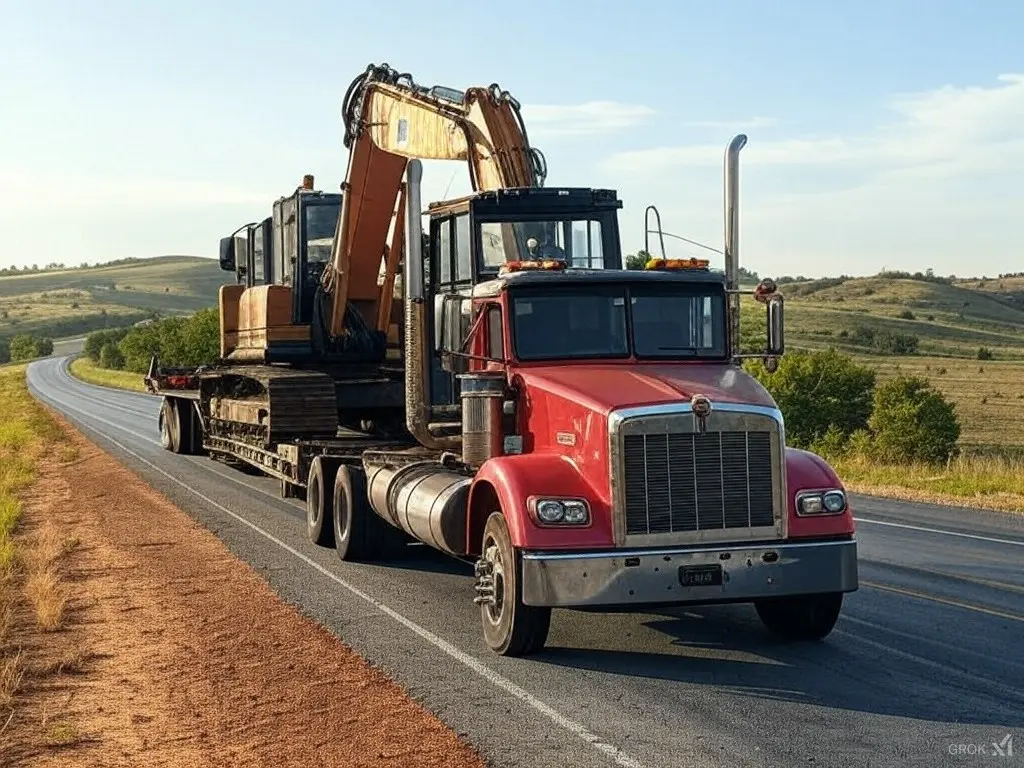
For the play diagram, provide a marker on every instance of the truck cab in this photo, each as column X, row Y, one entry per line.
column 624, row 458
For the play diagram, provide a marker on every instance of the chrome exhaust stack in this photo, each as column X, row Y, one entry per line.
column 418, row 344
column 732, row 236
column 766, row 291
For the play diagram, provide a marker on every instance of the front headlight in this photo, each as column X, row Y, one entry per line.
column 831, row 502
column 562, row 511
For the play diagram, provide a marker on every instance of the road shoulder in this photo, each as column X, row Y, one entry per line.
column 183, row 655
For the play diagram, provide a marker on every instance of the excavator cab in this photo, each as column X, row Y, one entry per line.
column 278, row 264
column 303, row 229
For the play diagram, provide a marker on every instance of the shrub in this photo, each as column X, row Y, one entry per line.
column 96, row 340
column 906, row 314
column 984, row 353
column 27, row 347
column 817, row 391
column 111, row 357
column 912, row 421
column 177, row 341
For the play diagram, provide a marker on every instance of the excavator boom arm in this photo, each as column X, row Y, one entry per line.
column 389, row 119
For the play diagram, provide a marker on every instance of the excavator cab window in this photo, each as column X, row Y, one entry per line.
column 303, row 235
column 577, row 226
column 258, row 254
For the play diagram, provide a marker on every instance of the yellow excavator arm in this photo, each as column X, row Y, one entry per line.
column 389, row 119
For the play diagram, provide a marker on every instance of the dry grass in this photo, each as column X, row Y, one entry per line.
column 29, row 575
column 11, row 673
column 85, row 369
column 46, row 596
column 988, row 482
column 63, row 734
column 988, row 395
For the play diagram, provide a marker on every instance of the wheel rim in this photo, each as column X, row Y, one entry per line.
column 492, row 554
column 165, row 427
column 341, row 516
column 314, row 501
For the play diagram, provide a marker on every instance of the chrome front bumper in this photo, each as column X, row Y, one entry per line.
column 714, row 574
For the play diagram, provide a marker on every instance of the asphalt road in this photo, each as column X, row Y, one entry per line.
column 926, row 665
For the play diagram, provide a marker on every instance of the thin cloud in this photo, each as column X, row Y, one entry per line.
column 734, row 125
column 589, row 118
column 945, row 131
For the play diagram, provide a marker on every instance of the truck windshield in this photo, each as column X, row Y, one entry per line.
column 678, row 322
column 578, row 241
column 321, row 223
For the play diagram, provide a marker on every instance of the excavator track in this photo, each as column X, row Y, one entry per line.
column 265, row 405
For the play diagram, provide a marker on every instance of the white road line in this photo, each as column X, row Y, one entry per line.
column 1014, row 542
column 577, row 729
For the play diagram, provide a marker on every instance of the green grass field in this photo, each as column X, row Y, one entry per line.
column 86, row 370
column 69, row 302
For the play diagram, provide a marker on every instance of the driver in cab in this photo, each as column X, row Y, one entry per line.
column 545, row 250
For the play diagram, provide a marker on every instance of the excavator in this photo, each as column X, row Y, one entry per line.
column 311, row 334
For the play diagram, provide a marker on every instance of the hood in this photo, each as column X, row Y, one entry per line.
column 602, row 388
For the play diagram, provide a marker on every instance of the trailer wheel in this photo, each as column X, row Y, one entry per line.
column 186, row 428
column 320, row 502
column 360, row 535
column 511, row 628
column 168, row 422
column 805, row 617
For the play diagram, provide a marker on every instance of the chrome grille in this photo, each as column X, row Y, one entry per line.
column 678, row 482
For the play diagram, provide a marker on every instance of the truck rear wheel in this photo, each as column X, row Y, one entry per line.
column 360, row 535
column 511, row 628
column 320, row 502
column 804, row 617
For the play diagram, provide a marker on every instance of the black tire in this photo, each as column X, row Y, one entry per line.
column 168, row 425
column 801, row 618
column 360, row 535
column 510, row 627
column 195, row 428
column 320, row 502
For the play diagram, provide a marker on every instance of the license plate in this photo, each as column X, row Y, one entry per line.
column 700, row 575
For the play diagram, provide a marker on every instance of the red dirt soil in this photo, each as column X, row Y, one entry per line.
column 186, row 657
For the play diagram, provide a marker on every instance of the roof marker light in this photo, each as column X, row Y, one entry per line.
column 552, row 265
column 673, row 264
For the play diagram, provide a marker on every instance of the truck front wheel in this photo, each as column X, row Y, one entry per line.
column 511, row 628
column 804, row 617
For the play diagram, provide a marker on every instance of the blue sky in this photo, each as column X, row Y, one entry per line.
column 881, row 134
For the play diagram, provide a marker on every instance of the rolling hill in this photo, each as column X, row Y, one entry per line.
column 66, row 302
column 873, row 315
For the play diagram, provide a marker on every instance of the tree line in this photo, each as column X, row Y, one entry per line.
column 177, row 341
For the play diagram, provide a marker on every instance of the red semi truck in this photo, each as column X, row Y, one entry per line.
column 583, row 434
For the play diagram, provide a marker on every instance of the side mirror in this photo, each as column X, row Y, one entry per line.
column 453, row 326
column 776, row 327
column 227, row 254
column 776, row 334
